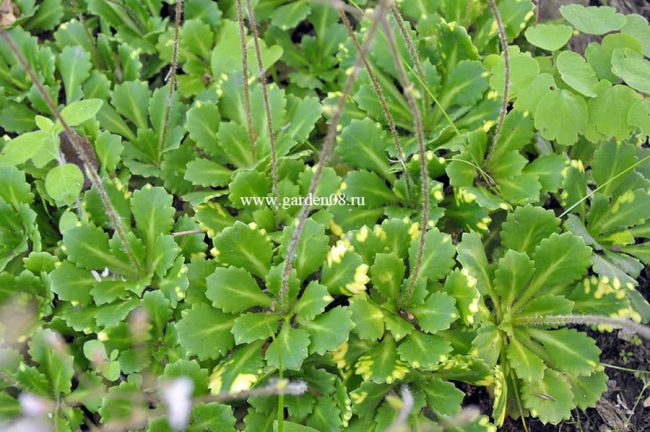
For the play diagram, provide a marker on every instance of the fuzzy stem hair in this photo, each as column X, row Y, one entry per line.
column 328, row 147
column 419, row 132
column 267, row 105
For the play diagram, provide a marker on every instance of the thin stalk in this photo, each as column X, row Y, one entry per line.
column 244, row 67
column 96, row 57
column 328, row 147
column 79, row 148
column 172, row 75
column 419, row 132
column 631, row 167
column 188, row 232
column 267, row 104
column 506, row 82
column 404, row 412
column 410, row 45
column 587, row 319
column 282, row 387
column 382, row 99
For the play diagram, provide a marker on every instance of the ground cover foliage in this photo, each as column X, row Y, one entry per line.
column 505, row 193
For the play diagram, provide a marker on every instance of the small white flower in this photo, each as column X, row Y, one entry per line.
column 96, row 275
column 177, row 397
column 34, row 406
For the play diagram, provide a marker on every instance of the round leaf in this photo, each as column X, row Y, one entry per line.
column 593, row 20
column 550, row 37
column 64, row 183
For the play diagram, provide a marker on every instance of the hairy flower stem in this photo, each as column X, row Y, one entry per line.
column 419, row 132
column 402, row 417
column 281, row 387
column 79, row 148
column 172, row 76
column 267, row 104
column 382, row 99
column 506, row 82
column 587, row 319
column 244, row 67
column 410, row 45
column 328, row 147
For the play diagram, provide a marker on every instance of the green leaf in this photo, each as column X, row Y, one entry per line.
column 313, row 301
column 47, row 349
column 205, row 332
column 367, row 316
column 611, row 159
column 561, row 116
column 462, row 287
column 381, row 364
column 438, row 255
column 569, row 350
column 500, row 404
column 436, row 313
column 588, row 390
column 211, row 416
column 593, row 20
column 639, row 116
column 548, row 169
column 523, row 69
column 131, row 99
column 632, row 68
column 64, row 183
column 226, row 56
column 109, row 149
column 153, row 213
column 71, row 283
column 423, row 351
column 15, row 189
column 532, row 94
column 312, row 247
column 328, row 331
column 78, row 112
column 22, row 148
column 87, row 246
column 526, row 227
column 368, row 185
column 204, row 172
column 576, row 72
column 344, row 271
column 243, row 246
column 638, row 27
column 387, row 274
column 550, row 37
column 528, row 366
column 471, row 255
column 75, row 65
column 465, row 85
column 289, row 349
column 442, row 396
column 289, row 15
column 234, row 290
column 609, row 111
column 254, row 326
column 203, row 124
column 512, row 276
column 550, row 398
column 240, row 371
column 559, row 260
column 363, row 145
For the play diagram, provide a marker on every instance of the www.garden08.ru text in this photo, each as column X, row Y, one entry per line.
column 311, row 200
